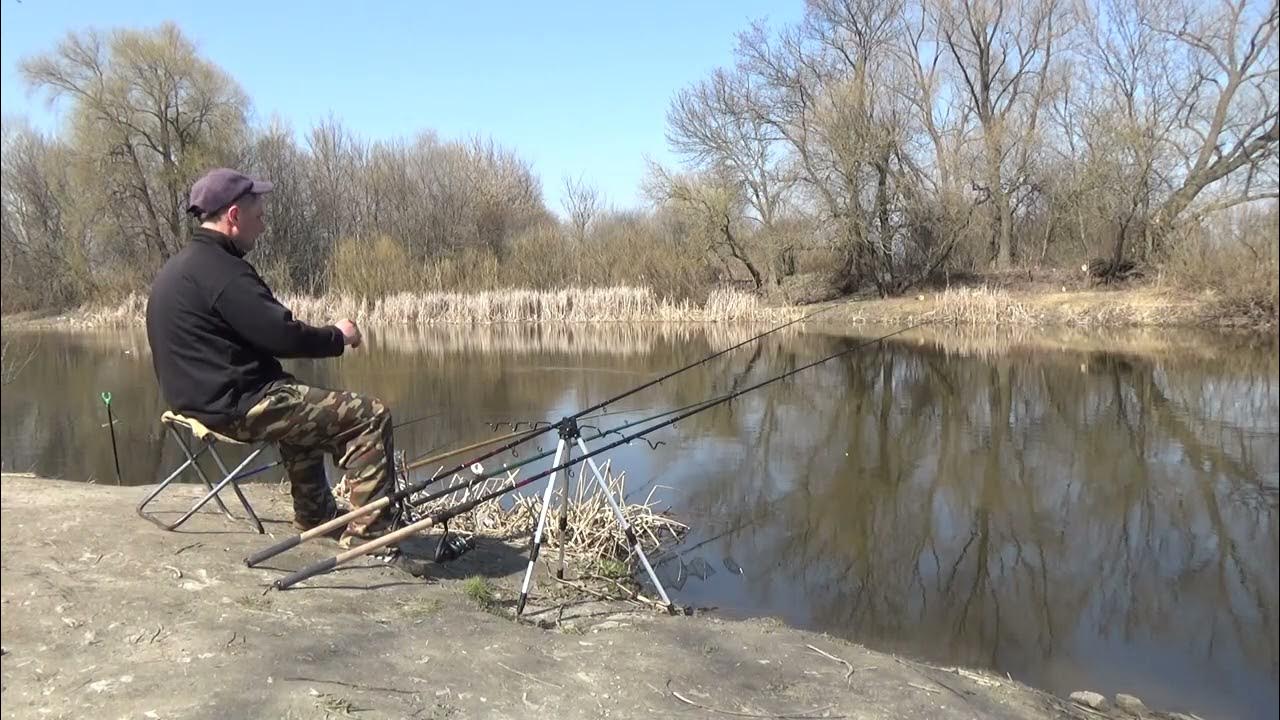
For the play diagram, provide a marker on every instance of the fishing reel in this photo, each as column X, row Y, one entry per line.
column 451, row 547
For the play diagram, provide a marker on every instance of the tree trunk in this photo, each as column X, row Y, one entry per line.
column 159, row 244
column 734, row 250
column 1117, row 253
column 1001, row 213
column 882, row 252
column 1004, row 258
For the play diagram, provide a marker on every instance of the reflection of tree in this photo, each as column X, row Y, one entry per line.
column 993, row 511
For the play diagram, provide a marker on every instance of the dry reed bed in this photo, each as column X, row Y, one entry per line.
column 620, row 306
column 619, row 339
column 571, row 305
column 446, row 339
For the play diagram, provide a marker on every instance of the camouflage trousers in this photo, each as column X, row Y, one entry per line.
column 305, row 423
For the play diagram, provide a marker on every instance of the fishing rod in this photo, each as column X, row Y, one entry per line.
column 419, row 462
column 409, row 492
column 423, row 459
column 320, row 530
column 399, row 425
column 539, row 430
column 445, row 515
column 516, row 424
column 506, row 469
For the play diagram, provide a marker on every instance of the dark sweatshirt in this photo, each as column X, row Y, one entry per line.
column 216, row 330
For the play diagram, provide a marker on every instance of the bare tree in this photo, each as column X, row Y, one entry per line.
column 718, row 127
column 714, row 209
column 1003, row 51
column 507, row 195
column 292, row 252
column 1120, row 119
column 45, row 248
column 149, row 116
column 792, row 100
column 1226, row 104
column 583, row 203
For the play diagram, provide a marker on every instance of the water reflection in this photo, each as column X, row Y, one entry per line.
column 1099, row 519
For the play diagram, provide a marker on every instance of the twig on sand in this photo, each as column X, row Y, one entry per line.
column 596, row 593
column 1091, row 711
column 807, row 714
column 528, row 676
column 353, row 686
column 842, row 661
column 635, row 595
column 925, row 688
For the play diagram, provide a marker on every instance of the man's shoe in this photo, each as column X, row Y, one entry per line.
column 302, row 524
column 333, row 534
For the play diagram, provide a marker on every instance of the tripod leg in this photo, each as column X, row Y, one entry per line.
column 537, row 534
column 632, row 541
column 564, row 510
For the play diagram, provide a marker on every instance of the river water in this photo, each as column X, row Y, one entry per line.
column 1089, row 512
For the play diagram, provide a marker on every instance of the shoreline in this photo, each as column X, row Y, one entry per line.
column 208, row 641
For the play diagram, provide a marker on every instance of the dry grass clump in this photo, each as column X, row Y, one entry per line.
column 996, row 307
column 594, row 543
column 593, row 538
column 132, row 309
column 980, row 306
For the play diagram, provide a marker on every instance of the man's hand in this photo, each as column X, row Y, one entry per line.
column 350, row 333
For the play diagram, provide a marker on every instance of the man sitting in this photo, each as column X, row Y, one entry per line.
column 216, row 331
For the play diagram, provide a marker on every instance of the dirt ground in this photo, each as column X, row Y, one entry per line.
column 105, row 615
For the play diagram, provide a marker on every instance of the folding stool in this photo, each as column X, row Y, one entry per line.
column 207, row 439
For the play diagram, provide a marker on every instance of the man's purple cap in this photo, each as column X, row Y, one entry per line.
column 221, row 187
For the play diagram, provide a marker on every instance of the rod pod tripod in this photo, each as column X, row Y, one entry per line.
column 570, row 436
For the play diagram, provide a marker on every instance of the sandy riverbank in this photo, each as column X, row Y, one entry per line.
column 104, row 614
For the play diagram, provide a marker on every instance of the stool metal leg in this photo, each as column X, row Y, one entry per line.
column 205, row 445
column 160, row 488
column 213, row 490
column 213, row 493
column 253, row 517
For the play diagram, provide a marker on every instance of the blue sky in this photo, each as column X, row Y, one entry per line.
column 576, row 88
